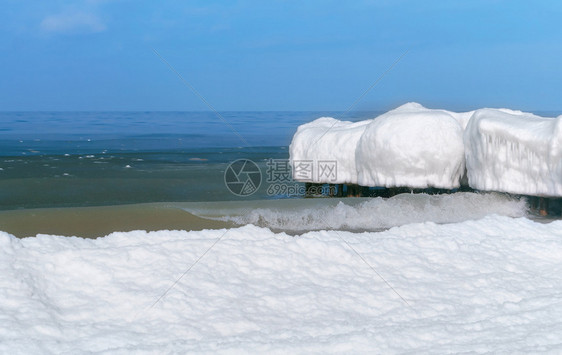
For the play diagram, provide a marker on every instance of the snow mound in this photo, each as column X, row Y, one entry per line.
column 412, row 146
column 408, row 146
column 493, row 285
column 328, row 139
column 514, row 152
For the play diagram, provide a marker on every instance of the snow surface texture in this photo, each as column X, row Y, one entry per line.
column 515, row 152
column 373, row 214
column 503, row 150
column 411, row 146
column 328, row 139
column 492, row 285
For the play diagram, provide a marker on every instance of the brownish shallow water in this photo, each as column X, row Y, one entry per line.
column 291, row 216
column 92, row 222
column 99, row 221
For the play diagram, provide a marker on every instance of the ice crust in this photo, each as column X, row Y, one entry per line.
column 328, row 139
column 499, row 149
column 515, row 152
column 411, row 146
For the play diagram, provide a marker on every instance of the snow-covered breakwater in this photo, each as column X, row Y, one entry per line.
column 515, row 152
column 413, row 146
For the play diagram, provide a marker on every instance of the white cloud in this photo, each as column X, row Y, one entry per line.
column 73, row 22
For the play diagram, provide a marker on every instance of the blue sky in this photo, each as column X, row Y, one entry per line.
column 279, row 55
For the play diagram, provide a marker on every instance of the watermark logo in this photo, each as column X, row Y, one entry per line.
column 242, row 177
column 283, row 177
column 327, row 171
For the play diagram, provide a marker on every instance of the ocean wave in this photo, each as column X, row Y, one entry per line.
column 378, row 213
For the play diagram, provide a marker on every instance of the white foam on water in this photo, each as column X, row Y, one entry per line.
column 376, row 213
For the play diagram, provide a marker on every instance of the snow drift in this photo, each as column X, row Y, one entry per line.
column 493, row 285
column 502, row 150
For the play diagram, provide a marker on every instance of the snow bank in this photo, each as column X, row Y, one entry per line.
column 411, row 146
column 328, row 139
column 493, row 285
column 515, row 152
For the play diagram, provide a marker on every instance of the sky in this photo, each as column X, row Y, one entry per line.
column 100, row 55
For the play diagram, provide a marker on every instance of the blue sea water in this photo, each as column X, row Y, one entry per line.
column 90, row 132
column 61, row 159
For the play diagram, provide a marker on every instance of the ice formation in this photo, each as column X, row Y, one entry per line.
column 502, row 150
column 411, row 146
column 328, row 139
column 514, row 152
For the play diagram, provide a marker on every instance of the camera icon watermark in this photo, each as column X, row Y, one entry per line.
column 242, row 177
column 284, row 178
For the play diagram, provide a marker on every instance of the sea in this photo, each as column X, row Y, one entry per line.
column 90, row 173
column 58, row 160
column 77, row 159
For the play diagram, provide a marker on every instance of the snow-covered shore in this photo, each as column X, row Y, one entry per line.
column 490, row 285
